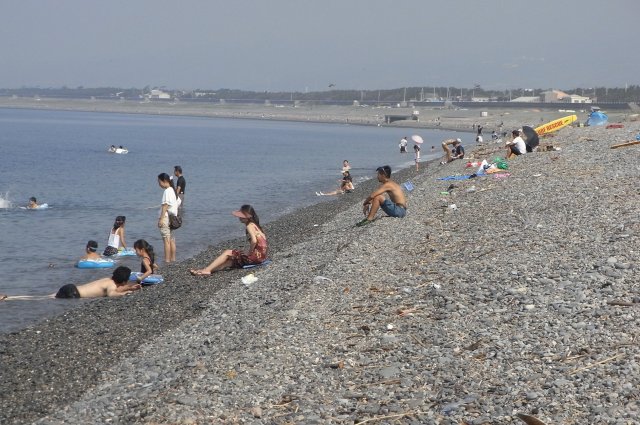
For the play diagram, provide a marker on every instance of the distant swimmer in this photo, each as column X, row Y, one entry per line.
column 33, row 203
column 115, row 286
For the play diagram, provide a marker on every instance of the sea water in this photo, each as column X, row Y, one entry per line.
column 61, row 158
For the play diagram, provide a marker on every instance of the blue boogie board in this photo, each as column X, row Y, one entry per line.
column 152, row 279
column 103, row 263
column 129, row 252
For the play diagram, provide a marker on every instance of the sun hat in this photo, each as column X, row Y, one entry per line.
column 459, row 140
column 240, row 214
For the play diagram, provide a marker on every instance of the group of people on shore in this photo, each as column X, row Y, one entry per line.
column 388, row 197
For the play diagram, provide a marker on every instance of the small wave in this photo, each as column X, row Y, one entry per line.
column 4, row 201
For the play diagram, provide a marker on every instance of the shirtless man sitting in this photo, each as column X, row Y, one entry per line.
column 394, row 206
column 115, row 286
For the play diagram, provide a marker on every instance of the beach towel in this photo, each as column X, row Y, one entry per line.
column 465, row 177
column 250, row 266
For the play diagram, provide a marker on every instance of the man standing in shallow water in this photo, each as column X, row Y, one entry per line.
column 394, row 206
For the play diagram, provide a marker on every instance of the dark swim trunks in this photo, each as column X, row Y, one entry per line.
column 68, row 291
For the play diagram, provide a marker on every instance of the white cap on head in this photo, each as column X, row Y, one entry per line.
column 458, row 140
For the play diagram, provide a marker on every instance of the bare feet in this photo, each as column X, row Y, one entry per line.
column 201, row 272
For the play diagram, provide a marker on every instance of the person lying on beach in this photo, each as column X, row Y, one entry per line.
column 516, row 146
column 394, row 206
column 457, row 152
column 346, row 186
column 115, row 286
column 91, row 254
column 236, row 259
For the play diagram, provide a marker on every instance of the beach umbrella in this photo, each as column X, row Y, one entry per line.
column 417, row 139
column 531, row 138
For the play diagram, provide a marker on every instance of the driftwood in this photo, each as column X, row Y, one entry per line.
column 629, row 143
column 530, row 420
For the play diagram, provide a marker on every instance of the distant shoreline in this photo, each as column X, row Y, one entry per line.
column 434, row 118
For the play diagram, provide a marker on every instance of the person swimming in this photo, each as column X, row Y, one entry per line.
column 33, row 203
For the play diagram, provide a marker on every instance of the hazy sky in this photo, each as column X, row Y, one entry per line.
column 306, row 45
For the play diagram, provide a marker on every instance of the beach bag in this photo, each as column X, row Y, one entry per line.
column 175, row 221
column 501, row 163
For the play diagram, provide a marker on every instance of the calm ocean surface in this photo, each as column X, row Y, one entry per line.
column 61, row 158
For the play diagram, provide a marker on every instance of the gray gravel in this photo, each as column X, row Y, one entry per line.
column 449, row 316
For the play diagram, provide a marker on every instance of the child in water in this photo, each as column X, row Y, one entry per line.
column 91, row 254
column 145, row 251
column 116, row 237
column 235, row 258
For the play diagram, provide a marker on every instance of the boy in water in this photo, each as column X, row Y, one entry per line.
column 115, row 286
column 92, row 255
column 33, row 203
column 394, row 206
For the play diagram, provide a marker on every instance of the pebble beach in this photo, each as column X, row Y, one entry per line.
column 495, row 296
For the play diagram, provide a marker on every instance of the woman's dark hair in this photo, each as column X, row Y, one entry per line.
column 142, row 244
column 119, row 221
column 252, row 215
column 164, row 177
column 92, row 246
column 32, row 199
column 385, row 169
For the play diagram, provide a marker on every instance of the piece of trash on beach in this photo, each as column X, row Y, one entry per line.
column 319, row 279
column 436, row 286
column 316, row 225
column 249, row 279
column 530, row 420
column 501, row 175
column 390, row 327
column 453, row 207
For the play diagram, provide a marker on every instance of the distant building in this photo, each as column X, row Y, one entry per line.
column 553, row 96
column 574, row 98
column 159, row 94
column 557, row 96
column 527, row 99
